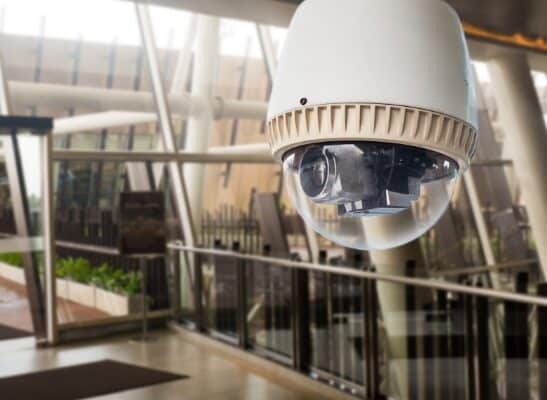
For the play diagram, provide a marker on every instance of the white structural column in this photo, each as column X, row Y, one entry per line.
column 525, row 139
column 200, row 125
column 392, row 297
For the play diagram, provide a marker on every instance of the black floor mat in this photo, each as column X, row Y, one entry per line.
column 82, row 381
column 7, row 332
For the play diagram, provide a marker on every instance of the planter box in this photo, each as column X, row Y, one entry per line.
column 116, row 304
column 11, row 273
column 111, row 303
column 62, row 288
column 81, row 294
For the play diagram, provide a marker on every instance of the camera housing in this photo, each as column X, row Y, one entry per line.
column 373, row 114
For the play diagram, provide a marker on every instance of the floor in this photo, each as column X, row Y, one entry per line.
column 15, row 311
column 14, row 307
column 214, row 375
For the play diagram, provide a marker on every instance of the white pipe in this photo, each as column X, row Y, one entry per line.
column 25, row 94
column 264, row 11
column 101, row 120
column 256, row 149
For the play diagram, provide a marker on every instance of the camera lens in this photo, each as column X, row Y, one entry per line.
column 314, row 171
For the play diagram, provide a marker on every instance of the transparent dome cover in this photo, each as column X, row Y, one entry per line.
column 369, row 195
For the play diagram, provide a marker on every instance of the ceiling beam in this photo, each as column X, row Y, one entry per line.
column 266, row 12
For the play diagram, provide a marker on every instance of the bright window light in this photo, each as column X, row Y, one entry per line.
column 108, row 21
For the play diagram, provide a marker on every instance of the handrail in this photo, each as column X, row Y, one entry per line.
column 160, row 156
column 486, row 268
column 410, row 281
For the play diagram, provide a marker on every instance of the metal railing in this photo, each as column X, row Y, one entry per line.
column 332, row 323
column 349, row 272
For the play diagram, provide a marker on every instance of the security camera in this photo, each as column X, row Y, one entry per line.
column 373, row 115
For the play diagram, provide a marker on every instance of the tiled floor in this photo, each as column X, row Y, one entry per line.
column 14, row 308
column 214, row 375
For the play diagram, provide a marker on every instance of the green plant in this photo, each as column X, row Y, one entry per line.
column 132, row 283
column 78, row 269
column 14, row 259
column 102, row 276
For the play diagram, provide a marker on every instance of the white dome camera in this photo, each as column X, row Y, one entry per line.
column 373, row 115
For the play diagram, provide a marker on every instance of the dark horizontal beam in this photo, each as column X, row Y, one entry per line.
column 24, row 124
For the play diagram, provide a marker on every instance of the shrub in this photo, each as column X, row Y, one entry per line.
column 14, row 259
column 103, row 276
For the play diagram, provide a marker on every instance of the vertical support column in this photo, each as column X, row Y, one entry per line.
column 411, row 336
column 48, row 199
column 525, row 138
column 178, row 185
column 392, row 297
column 200, row 125
column 21, row 214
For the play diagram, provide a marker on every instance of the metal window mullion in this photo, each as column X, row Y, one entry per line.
column 48, row 201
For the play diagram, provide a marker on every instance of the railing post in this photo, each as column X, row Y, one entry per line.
column 411, row 336
column 242, row 329
column 300, row 320
column 470, row 385
column 483, row 353
column 321, row 354
column 442, row 345
column 542, row 343
column 516, row 345
column 198, row 293
column 457, row 348
column 176, row 298
column 429, row 352
column 268, row 301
